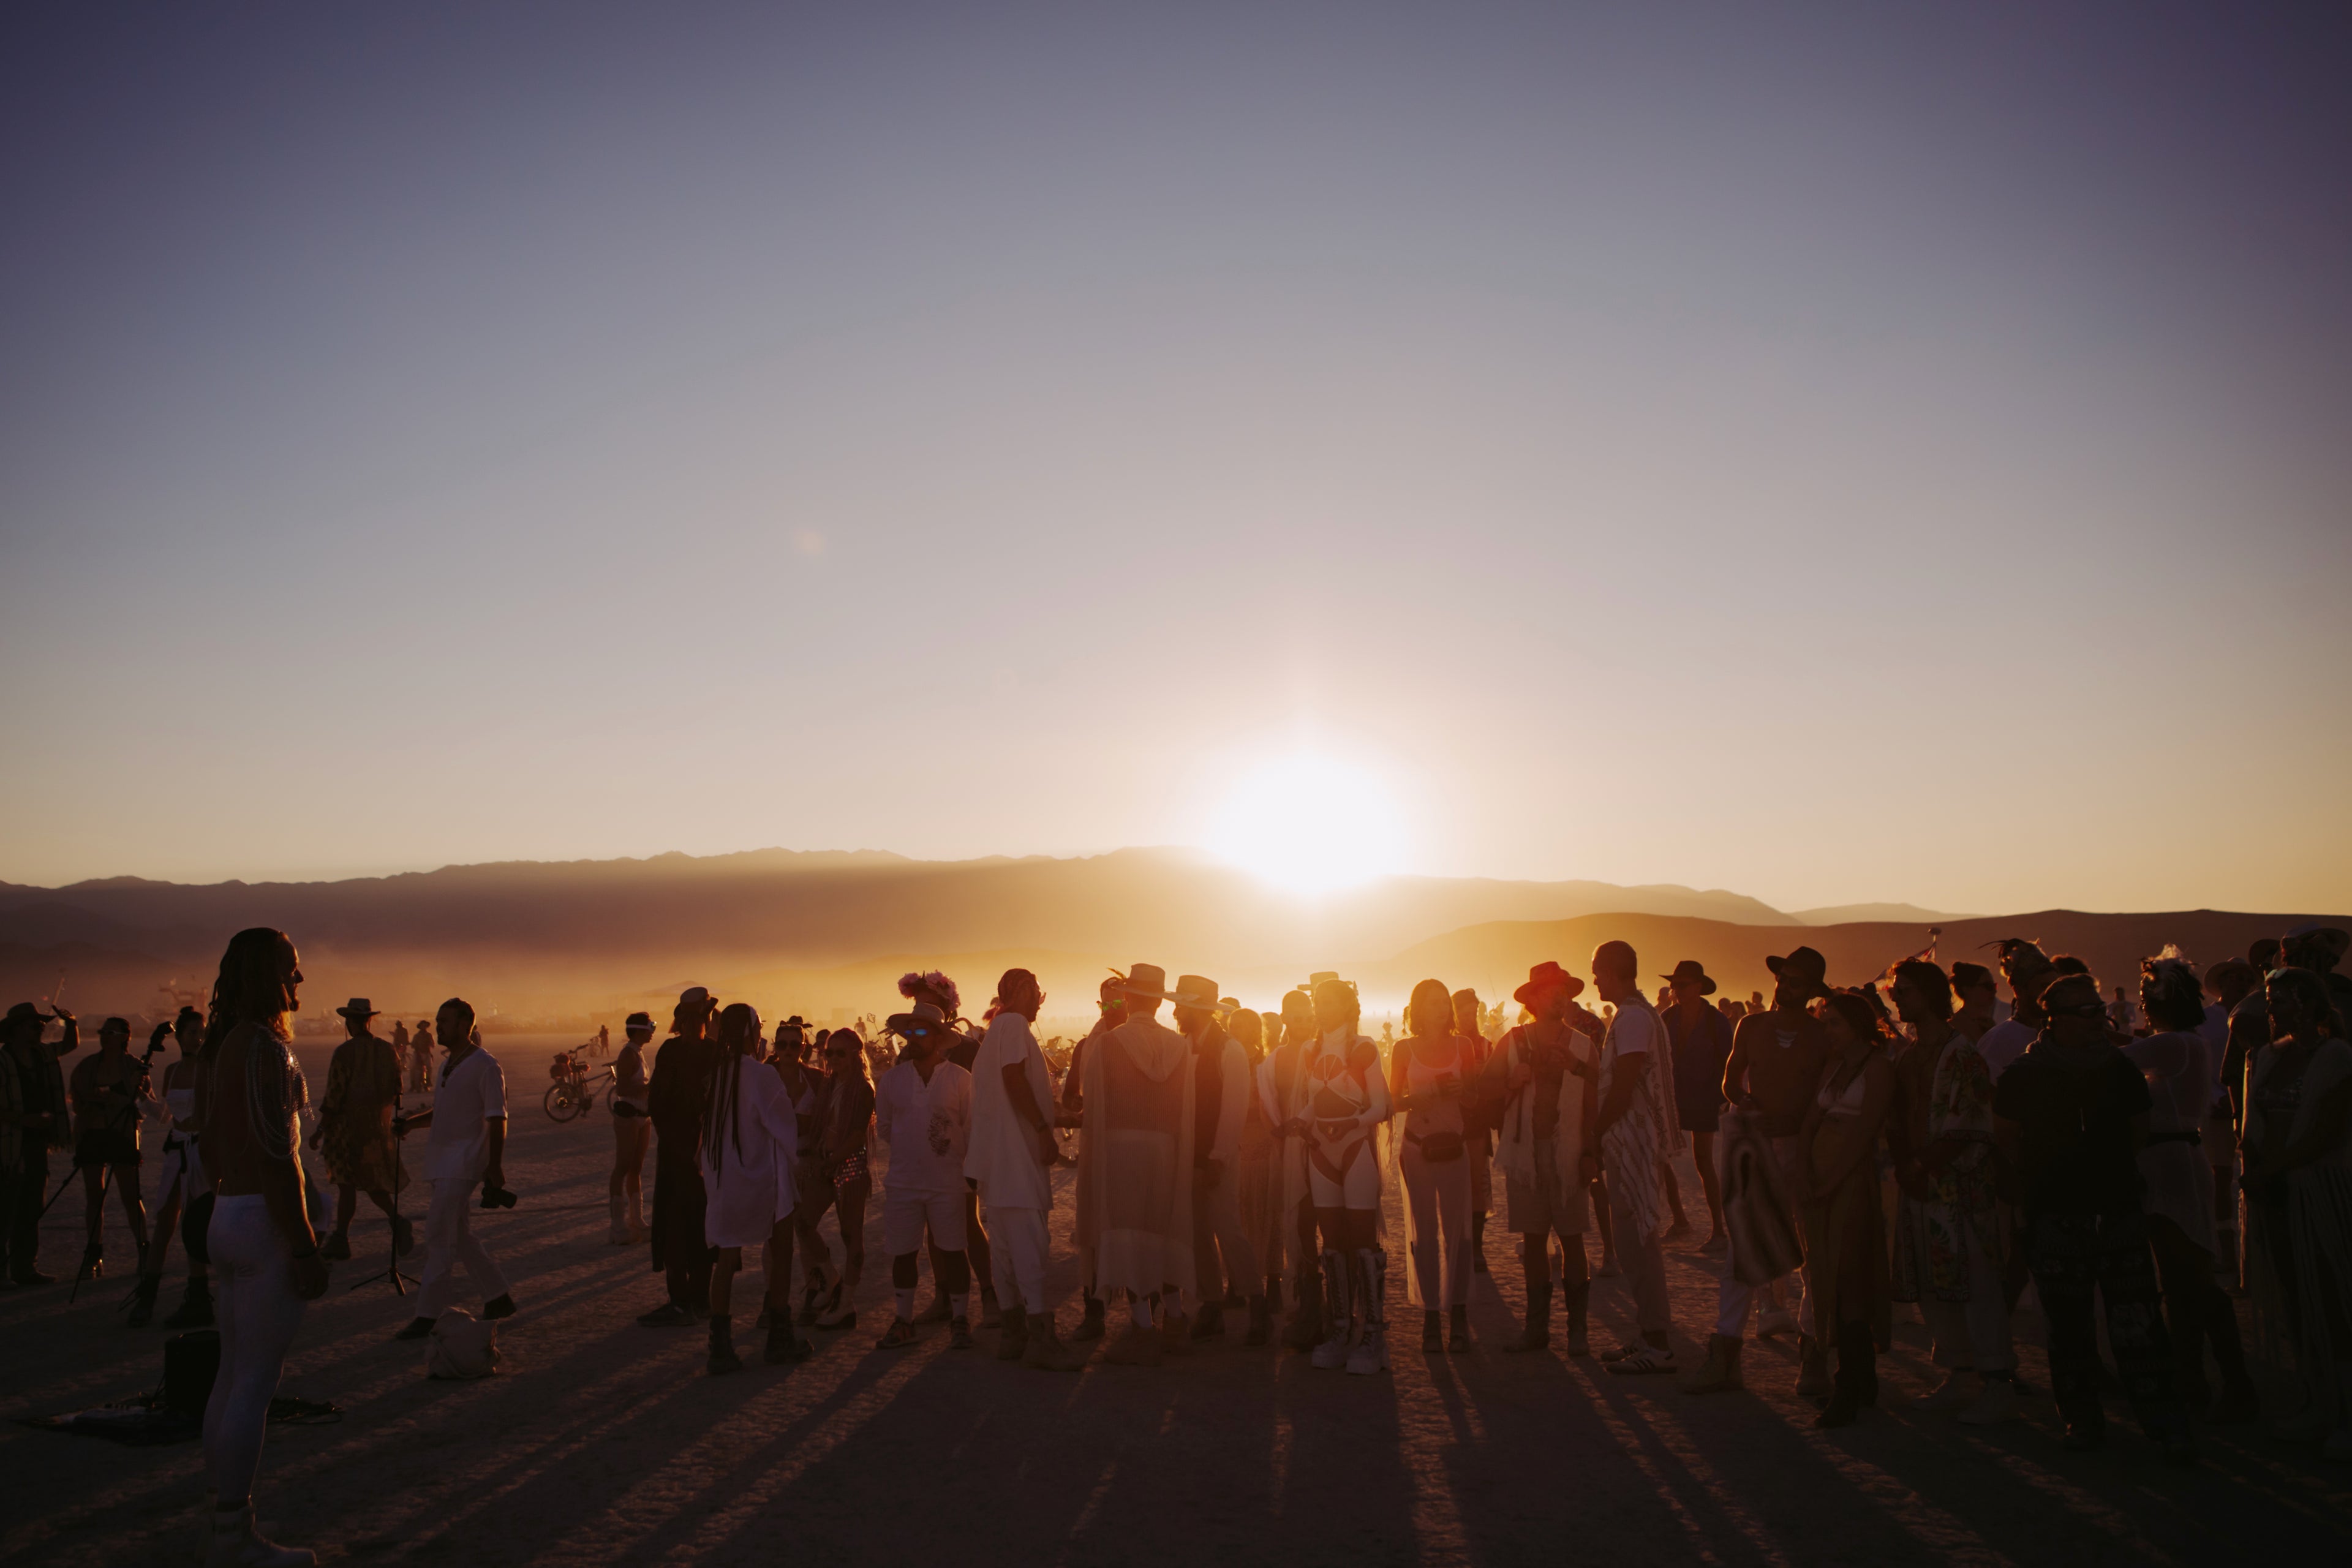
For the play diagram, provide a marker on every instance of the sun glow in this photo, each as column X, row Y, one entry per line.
column 1309, row 824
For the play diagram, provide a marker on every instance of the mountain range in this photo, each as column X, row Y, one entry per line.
column 824, row 931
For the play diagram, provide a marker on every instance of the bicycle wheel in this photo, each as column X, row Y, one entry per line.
column 563, row 1105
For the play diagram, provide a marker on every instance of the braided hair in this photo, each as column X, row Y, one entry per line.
column 739, row 1036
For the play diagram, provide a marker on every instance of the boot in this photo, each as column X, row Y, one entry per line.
column 1857, row 1385
column 1261, row 1322
column 1432, row 1333
column 235, row 1543
column 1580, row 1302
column 1090, row 1327
column 1013, row 1334
column 617, row 1233
column 1332, row 1351
column 1211, row 1323
column 1478, row 1245
column 1537, row 1335
column 196, row 1308
column 1719, row 1373
column 1813, row 1368
column 723, row 1358
column 1046, row 1350
column 784, row 1347
column 142, row 1301
column 1457, row 1342
column 1372, row 1352
column 1305, row 1330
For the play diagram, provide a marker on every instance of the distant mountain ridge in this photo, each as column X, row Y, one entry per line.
column 547, row 929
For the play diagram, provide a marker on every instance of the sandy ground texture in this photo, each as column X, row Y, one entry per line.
column 605, row 1443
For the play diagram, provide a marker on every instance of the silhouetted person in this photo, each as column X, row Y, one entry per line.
column 675, row 1096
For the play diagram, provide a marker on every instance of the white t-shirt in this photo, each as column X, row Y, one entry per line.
column 456, row 1145
column 2003, row 1044
column 928, row 1127
column 1003, row 1153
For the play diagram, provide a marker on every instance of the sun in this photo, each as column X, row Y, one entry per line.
column 1309, row 824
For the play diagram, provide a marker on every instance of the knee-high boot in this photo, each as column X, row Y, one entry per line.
column 1332, row 1352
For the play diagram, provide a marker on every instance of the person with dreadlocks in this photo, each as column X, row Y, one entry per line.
column 674, row 1096
column 248, row 1100
column 750, row 1141
column 2178, row 1063
column 468, row 1148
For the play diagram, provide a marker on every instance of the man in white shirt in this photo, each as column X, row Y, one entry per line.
column 467, row 1148
column 1222, row 1083
column 1010, row 1161
column 922, row 1109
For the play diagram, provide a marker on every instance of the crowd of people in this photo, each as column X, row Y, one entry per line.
column 1892, row 1141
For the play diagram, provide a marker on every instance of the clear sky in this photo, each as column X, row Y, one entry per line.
column 1895, row 452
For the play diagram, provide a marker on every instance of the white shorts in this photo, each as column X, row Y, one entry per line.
column 1359, row 1184
column 904, row 1216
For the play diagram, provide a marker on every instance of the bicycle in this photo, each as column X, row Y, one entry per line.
column 573, row 1093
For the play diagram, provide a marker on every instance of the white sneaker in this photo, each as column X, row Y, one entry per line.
column 1996, row 1404
column 1958, row 1389
column 1775, row 1319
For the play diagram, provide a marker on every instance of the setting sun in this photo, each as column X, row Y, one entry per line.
column 1309, row 824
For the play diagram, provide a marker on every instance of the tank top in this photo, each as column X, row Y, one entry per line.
column 1421, row 1079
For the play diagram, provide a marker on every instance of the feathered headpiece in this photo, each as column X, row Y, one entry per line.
column 2169, row 981
column 933, row 986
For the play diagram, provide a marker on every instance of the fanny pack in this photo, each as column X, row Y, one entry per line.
column 1438, row 1147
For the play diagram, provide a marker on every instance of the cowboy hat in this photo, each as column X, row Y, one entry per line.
column 1690, row 969
column 1197, row 992
column 1146, row 980
column 357, row 1007
column 1544, row 978
column 925, row 1019
column 1805, row 966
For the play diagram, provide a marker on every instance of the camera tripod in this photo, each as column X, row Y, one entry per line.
column 392, row 1275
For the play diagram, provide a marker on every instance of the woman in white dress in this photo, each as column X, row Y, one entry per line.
column 750, row 1142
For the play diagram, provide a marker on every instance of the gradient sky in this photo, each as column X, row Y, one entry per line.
column 1889, row 452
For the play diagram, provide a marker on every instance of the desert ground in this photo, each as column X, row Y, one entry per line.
column 603, row 1443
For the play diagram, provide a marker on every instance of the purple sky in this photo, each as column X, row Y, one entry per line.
column 1901, row 452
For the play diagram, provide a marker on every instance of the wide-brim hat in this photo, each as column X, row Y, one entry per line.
column 357, row 1007
column 794, row 1021
column 1688, row 970
column 2332, row 941
column 26, row 1013
column 1803, row 964
column 1146, row 980
column 696, row 996
column 924, row 1017
column 1196, row 990
column 1543, row 979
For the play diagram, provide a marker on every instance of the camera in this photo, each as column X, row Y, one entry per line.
column 496, row 1197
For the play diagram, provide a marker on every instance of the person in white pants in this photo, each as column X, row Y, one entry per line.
column 922, row 1108
column 264, row 1254
column 1010, row 1161
column 468, row 1148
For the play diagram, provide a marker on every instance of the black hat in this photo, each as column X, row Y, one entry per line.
column 1688, row 971
column 1805, row 966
